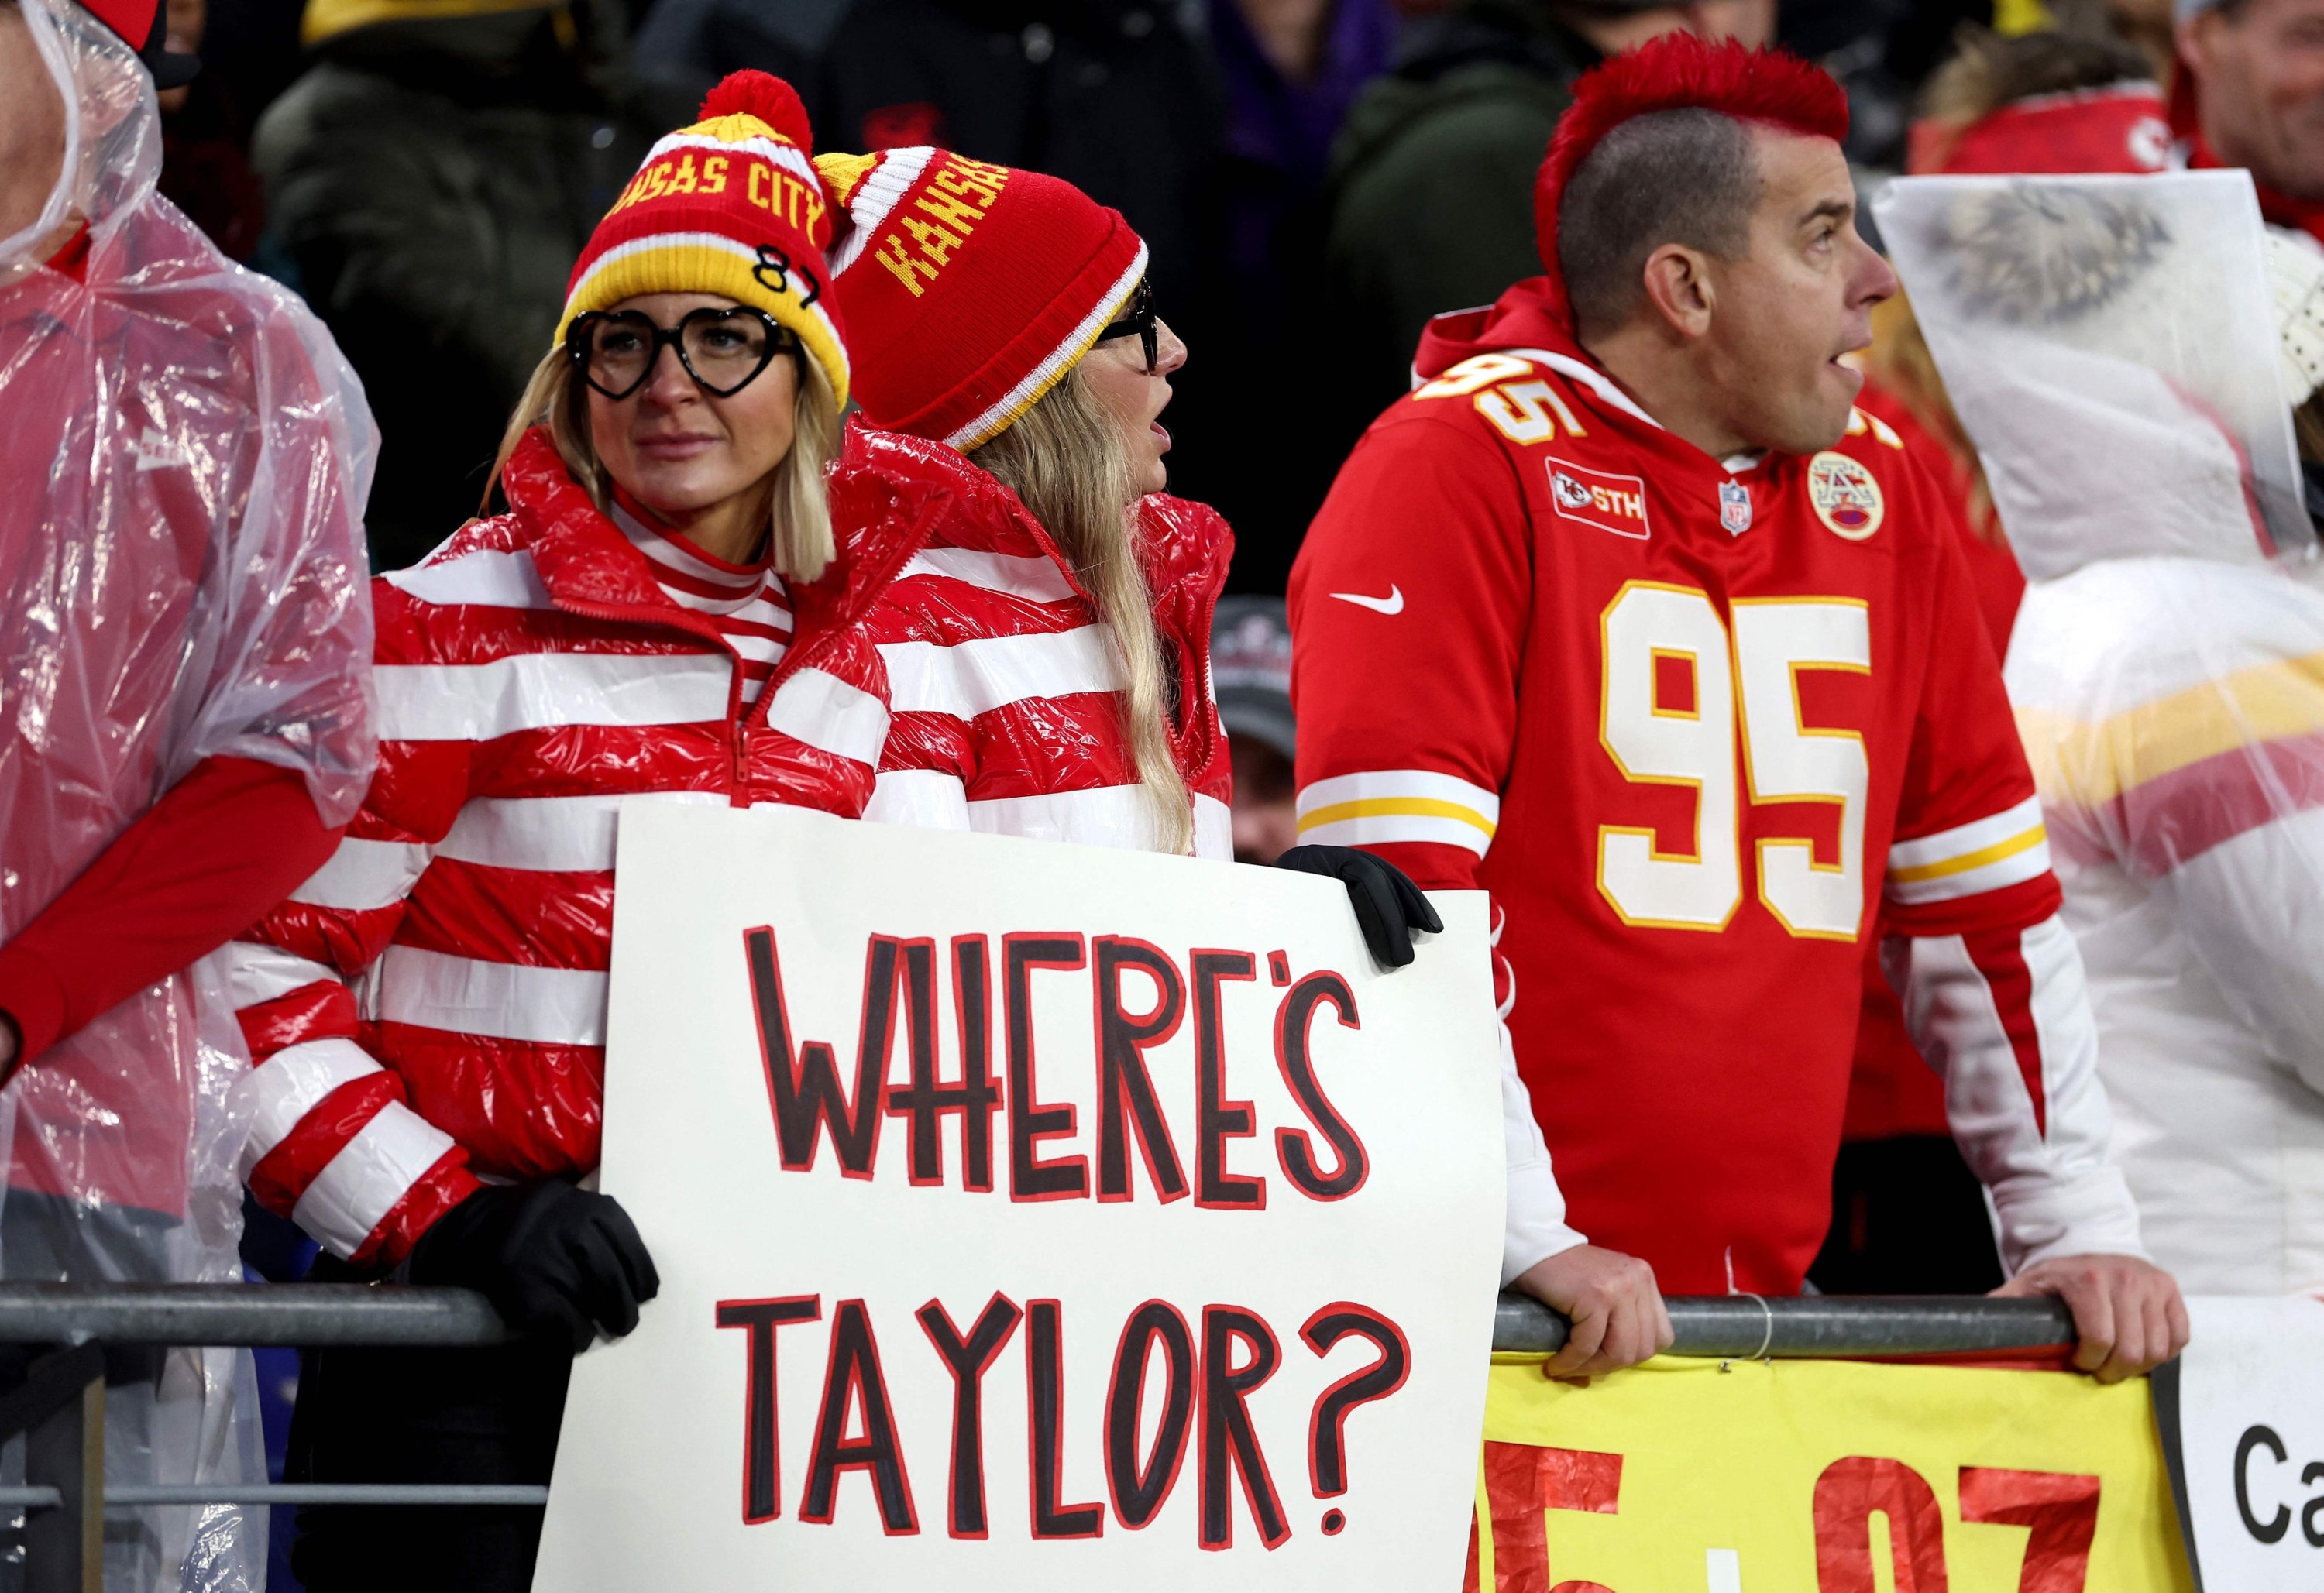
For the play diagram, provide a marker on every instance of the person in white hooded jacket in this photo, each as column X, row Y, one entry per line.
column 2167, row 669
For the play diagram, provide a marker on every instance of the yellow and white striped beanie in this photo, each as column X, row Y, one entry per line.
column 732, row 206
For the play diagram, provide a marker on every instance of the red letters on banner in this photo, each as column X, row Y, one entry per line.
column 1124, row 1086
column 925, row 1101
column 1045, row 1383
column 968, row 1359
column 1521, row 1481
column 1229, row 1442
column 1295, row 1059
column 1208, row 1387
column 1030, row 1177
column 1207, row 1391
column 2061, row 1507
column 1846, row 1496
column 2061, row 1510
column 1139, row 1487
column 761, row 1469
column 1327, row 1448
column 803, row 1090
column 809, row 1105
column 853, row 1381
column 1217, row 1120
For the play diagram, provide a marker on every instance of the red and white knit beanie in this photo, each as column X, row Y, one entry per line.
column 969, row 289
column 732, row 206
column 2121, row 127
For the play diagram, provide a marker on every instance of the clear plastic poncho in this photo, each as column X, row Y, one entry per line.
column 2110, row 346
column 185, row 459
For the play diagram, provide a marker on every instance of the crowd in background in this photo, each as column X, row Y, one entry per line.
column 1314, row 179
column 1421, row 215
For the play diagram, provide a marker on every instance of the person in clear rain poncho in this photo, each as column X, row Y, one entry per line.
column 184, row 640
column 2109, row 346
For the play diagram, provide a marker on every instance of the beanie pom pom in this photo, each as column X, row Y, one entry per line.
column 752, row 93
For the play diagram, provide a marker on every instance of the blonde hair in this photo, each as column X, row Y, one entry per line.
column 800, row 544
column 1989, row 72
column 1065, row 458
column 2308, row 427
column 1899, row 360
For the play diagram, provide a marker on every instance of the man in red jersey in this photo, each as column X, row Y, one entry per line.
column 1627, row 616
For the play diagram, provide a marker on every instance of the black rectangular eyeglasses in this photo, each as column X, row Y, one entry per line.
column 1140, row 319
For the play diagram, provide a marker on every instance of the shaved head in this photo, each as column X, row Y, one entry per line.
column 1672, row 177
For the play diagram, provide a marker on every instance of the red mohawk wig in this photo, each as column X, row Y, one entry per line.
column 1679, row 71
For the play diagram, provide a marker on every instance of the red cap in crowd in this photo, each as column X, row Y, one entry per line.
column 2119, row 128
column 143, row 26
column 732, row 206
column 970, row 290
column 1677, row 72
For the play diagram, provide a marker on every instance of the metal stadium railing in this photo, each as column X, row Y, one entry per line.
column 60, row 1407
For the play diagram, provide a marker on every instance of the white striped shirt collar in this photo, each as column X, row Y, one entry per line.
column 693, row 578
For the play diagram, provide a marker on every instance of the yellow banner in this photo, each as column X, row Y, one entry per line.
column 1822, row 1476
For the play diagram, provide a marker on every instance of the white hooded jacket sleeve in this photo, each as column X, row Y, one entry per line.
column 2166, row 670
column 2174, row 710
column 2256, row 939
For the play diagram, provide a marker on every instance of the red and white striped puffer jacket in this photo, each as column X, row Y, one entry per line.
column 1006, row 682
column 431, row 1005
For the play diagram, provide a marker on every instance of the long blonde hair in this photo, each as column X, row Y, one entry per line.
column 1899, row 360
column 801, row 543
column 1066, row 460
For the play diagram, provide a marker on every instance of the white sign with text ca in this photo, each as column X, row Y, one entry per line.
column 1030, row 1216
column 2251, row 1441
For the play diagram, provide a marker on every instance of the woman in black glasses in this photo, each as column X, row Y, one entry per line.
column 1050, row 646
column 1048, row 649
column 698, row 418
column 663, row 612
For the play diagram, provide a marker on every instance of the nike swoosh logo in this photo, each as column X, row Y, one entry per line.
column 1393, row 604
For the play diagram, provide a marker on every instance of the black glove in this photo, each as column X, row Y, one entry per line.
column 1388, row 905
column 551, row 1257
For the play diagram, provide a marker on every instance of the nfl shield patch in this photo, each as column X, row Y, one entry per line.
column 1734, row 507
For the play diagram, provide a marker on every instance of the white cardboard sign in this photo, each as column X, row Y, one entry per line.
column 2250, row 1453
column 1030, row 1216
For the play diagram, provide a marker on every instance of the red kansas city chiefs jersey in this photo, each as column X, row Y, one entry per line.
column 1702, row 729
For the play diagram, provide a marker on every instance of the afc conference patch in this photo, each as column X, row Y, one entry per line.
column 1734, row 507
column 1615, row 503
column 1846, row 497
